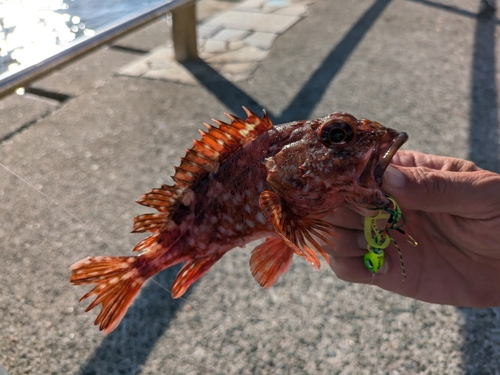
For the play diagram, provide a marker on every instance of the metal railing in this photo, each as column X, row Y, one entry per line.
column 183, row 33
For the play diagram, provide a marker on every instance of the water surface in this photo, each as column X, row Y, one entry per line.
column 31, row 30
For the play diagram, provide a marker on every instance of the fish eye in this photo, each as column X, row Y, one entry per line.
column 336, row 133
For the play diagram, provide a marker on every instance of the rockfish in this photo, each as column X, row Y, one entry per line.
column 242, row 181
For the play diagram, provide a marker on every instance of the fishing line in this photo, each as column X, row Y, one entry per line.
column 378, row 239
column 53, row 201
column 195, row 305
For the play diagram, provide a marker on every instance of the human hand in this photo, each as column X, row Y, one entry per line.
column 452, row 209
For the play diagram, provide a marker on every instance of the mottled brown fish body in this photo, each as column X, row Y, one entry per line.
column 240, row 182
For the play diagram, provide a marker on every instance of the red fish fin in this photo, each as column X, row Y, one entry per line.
column 298, row 232
column 149, row 223
column 214, row 147
column 160, row 199
column 192, row 271
column 118, row 281
column 270, row 260
column 147, row 243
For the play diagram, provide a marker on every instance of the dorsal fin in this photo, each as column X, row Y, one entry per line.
column 214, row 147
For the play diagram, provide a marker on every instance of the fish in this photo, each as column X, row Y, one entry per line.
column 244, row 180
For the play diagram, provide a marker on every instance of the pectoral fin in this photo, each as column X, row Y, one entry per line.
column 270, row 260
column 296, row 231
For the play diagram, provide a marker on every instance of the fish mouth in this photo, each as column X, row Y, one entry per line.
column 374, row 170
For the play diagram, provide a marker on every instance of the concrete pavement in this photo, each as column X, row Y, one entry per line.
column 425, row 67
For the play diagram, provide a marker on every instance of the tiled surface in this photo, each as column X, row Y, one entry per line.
column 232, row 42
column 261, row 40
column 230, row 35
column 266, row 23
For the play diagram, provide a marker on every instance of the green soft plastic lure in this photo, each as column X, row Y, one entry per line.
column 378, row 239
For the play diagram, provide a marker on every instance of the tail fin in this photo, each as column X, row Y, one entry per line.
column 118, row 281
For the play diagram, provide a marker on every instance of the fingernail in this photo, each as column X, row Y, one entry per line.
column 362, row 241
column 394, row 178
column 385, row 268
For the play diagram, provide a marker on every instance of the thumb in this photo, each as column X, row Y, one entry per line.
column 470, row 194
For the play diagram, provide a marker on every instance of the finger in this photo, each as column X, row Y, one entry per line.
column 363, row 212
column 351, row 269
column 472, row 194
column 345, row 217
column 406, row 158
column 389, row 277
column 349, row 243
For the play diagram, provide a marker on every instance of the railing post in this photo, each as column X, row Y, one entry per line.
column 184, row 32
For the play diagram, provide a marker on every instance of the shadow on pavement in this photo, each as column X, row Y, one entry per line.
column 482, row 336
column 483, row 129
column 127, row 348
column 481, row 339
column 310, row 94
column 224, row 90
column 449, row 8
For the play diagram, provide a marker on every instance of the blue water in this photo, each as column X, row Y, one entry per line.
column 33, row 29
column 97, row 13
